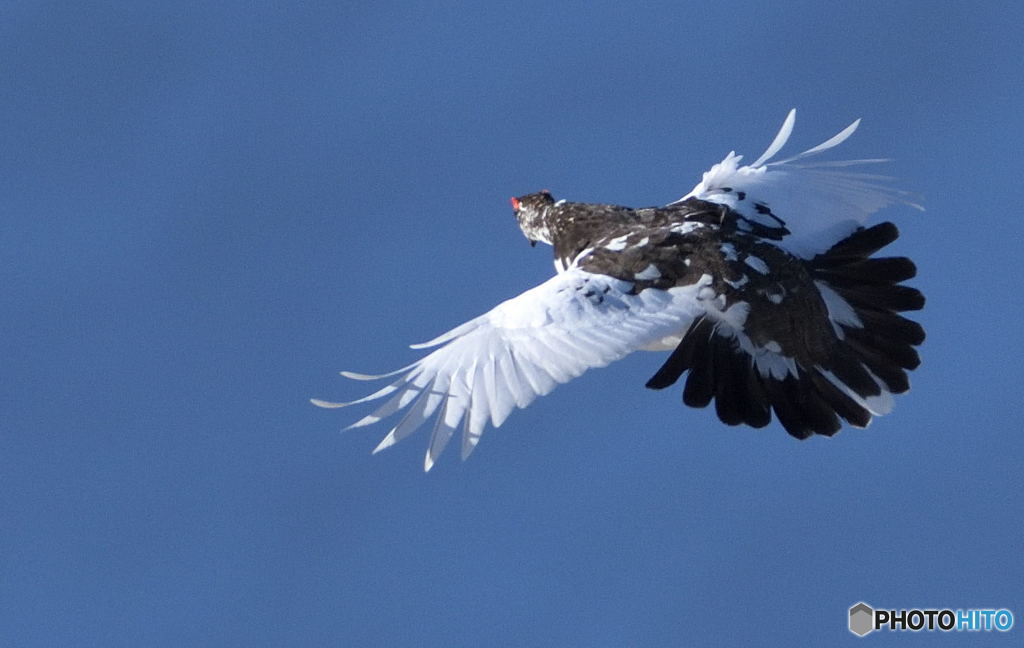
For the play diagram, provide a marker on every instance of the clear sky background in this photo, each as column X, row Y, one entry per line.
column 210, row 208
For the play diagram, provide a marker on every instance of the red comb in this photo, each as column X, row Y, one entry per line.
column 515, row 203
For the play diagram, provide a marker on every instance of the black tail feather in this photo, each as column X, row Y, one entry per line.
column 873, row 296
column 860, row 245
column 852, row 412
column 899, row 353
column 799, row 407
column 700, row 384
column 730, row 381
column 894, row 377
column 888, row 270
column 891, row 326
column 682, row 357
column 757, row 408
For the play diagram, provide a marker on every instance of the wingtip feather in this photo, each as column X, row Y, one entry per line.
column 385, row 443
column 831, row 142
column 353, row 375
column 369, row 419
column 780, row 139
column 327, row 404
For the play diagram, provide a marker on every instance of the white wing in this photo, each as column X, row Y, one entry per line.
column 522, row 349
column 819, row 203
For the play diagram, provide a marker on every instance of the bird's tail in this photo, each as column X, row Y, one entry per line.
column 868, row 362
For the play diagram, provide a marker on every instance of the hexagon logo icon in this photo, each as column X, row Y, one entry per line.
column 862, row 619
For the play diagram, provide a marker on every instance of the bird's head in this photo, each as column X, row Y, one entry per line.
column 531, row 211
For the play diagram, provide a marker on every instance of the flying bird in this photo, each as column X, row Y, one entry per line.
column 762, row 283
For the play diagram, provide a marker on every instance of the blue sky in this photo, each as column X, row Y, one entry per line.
column 212, row 208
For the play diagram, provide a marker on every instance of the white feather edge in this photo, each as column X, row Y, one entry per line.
column 780, row 139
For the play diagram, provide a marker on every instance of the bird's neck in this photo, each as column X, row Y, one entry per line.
column 571, row 227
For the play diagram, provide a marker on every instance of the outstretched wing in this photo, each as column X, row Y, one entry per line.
column 806, row 206
column 522, row 349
